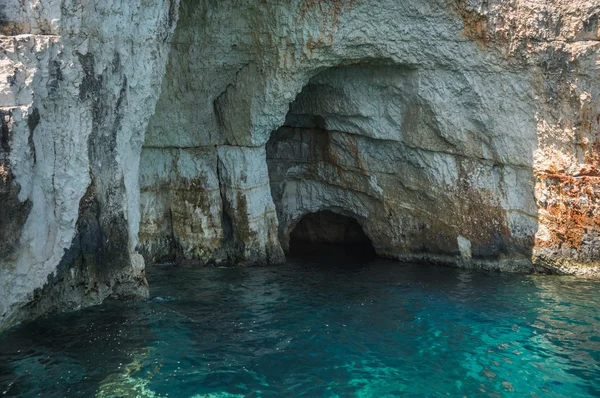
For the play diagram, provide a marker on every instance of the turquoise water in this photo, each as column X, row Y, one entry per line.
column 326, row 329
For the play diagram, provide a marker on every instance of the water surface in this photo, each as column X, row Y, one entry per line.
column 323, row 328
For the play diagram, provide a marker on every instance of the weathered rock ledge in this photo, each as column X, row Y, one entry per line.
column 462, row 131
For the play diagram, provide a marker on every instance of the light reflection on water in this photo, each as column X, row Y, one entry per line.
column 324, row 328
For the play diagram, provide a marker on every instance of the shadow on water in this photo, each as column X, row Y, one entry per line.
column 331, row 255
column 71, row 354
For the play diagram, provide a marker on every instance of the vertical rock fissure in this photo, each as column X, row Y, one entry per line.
column 226, row 217
column 13, row 212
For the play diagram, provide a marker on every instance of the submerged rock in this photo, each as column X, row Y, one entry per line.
column 460, row 132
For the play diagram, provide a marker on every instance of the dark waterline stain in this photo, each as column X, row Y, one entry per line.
column 320, row 327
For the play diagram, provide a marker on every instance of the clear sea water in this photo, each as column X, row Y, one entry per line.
column 321, row 328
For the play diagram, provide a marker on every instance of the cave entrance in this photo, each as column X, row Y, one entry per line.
column 324, row 231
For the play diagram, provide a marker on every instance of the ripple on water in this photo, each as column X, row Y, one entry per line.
column 319, row 329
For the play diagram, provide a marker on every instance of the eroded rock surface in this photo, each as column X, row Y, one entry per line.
column 78, row 83
column 457, row 131
column 437, row 125
column 409, row 164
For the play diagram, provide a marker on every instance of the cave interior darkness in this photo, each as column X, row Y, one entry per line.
column 324, row 231
column 303, row 152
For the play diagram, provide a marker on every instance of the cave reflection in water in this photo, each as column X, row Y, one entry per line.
column 319, row 328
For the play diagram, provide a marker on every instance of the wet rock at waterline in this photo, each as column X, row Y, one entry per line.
column 460, row 132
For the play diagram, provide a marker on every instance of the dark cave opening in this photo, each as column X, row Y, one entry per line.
column 327, row 232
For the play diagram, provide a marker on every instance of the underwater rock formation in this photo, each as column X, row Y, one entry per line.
column 463, row 132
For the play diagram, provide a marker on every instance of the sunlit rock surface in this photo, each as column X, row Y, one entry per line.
column 460, row 131
column 78, row 83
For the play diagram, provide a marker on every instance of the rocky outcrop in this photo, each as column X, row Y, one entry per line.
column 78, row 84
column 558, row 44
column 418, row 171
column 462, row 132
column 428, row 123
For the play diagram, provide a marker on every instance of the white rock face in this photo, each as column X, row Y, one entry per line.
column 181, row 203
column 78, row 84
column 248, row 204
column 391, row 162
column 432, row 123
column 464, row 246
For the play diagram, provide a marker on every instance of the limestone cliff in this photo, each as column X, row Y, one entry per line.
column 78, row 83
column 458, row 131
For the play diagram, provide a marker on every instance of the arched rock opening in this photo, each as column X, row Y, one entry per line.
column 326, row 228
column 439, row 152
column 426, row 153
column 384, row 144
